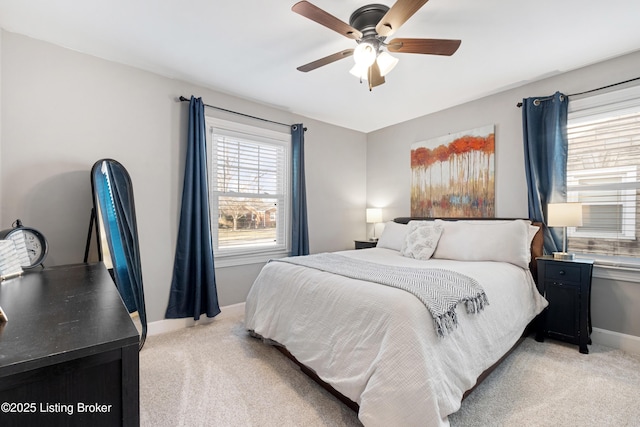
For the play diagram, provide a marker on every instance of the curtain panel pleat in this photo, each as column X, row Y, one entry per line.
column 300, row 233
column 544, row 123
column 193, row 286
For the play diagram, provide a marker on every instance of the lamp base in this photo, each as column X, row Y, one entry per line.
column 563, row 255
column 373, row 239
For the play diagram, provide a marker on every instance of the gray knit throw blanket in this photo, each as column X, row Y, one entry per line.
column 440, row 290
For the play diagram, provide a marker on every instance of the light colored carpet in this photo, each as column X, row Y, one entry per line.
column 552, row 384
column 216, row 375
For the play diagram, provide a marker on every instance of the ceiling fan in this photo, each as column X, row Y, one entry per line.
column 370, row 26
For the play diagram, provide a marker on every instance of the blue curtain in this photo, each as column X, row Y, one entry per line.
column 193, row 286
column 300, row 232
column 544, row 123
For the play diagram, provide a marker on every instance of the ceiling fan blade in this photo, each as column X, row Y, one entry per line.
column 374, row 77
column 426, row 46
column 326, row 60
column 399, row 13
column 318, row 15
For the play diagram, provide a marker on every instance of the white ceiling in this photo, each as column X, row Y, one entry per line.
column 251, row 48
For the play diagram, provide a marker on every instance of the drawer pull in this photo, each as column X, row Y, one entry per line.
column 561, row 272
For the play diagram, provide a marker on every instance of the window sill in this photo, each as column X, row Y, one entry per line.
column 246, row 259
column 614, row 268
column 616, row 273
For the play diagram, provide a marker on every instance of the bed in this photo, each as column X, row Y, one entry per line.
column 380, row 345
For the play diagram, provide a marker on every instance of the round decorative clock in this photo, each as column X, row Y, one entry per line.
column 35, row 242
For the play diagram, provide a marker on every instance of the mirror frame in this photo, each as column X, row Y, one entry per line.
column 130, row 284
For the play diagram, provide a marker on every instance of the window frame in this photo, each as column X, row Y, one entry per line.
column 258, row 254
column 615, row 102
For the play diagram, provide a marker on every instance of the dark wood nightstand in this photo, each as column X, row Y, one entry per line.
column 364, row 244
column 566, row 284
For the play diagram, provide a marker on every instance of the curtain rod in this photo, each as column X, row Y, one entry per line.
column 183, row 99
column 519, row 104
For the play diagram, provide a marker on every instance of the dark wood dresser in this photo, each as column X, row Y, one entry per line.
column 69, row 352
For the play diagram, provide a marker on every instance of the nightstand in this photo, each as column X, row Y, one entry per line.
column 364, row 244
column 566, row 284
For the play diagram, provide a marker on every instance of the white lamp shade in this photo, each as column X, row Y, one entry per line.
column 365, row 54
column 386, row 63
column 374, row 215
column 564, row 214
column 360, row 71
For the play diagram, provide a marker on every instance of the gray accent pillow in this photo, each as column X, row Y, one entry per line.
column 422, row 239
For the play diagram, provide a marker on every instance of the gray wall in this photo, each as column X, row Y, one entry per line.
column 614, row 302
column 63, row 110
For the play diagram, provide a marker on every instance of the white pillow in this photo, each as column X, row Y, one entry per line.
column 493, row 241
column 533, row 229
column 421, row 239
column 393, row 236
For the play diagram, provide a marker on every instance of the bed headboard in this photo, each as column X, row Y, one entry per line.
column 536, row 244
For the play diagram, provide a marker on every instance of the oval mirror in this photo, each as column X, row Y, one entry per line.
column 117, row 235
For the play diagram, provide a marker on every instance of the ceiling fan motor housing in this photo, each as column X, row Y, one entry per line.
column 366, row 18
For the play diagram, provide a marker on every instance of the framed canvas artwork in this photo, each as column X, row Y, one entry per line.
column 454, row 175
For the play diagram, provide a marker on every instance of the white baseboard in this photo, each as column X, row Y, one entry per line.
column 169, row 325
column 624, row 342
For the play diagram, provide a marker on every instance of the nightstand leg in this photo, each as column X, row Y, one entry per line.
column 584, row 349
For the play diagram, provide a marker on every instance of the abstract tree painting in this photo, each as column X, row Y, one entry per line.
column 454, row 175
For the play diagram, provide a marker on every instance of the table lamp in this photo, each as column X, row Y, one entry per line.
column 374, row 216
column 564, row 215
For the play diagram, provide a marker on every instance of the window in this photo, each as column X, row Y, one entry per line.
column 602, row 173
column 249, row 189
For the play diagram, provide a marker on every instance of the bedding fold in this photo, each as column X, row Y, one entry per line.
column 440, row 290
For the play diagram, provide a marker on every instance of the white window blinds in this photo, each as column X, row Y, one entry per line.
column 248, row 191
column 602, row 173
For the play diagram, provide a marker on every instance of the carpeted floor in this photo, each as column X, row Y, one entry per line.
column 216, row 375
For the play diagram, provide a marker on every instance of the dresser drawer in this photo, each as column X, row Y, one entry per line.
column 563, row 272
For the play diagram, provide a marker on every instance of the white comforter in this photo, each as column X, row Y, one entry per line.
column 377, row 344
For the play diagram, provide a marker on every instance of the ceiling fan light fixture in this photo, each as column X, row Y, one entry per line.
column 370, row 26
column 360, row 71
column 365, row 54
column 386, row 63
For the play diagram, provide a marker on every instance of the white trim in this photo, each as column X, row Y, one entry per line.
column 258, row 258
column 624, row 342
column 623, row 274
column 252, row 254
column 248, row 130
column 169, row 325
column 622, row 101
